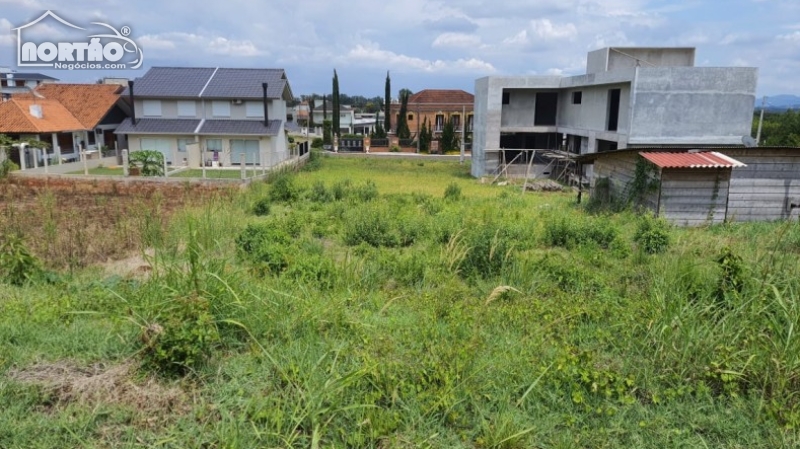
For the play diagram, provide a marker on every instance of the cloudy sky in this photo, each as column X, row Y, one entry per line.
column 429, row 43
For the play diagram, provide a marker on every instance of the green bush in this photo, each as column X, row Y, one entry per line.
column 149, row 162
column 652, row 234
column 261, row 207
column 572, row 231
column 452, row 192
column 319, row 193
column 365, row 192
column 265, row 245
column 17, row 265
column 283, row 189
column 179, row 340
column 317, row 142
column 380, row 226
column 394, row 149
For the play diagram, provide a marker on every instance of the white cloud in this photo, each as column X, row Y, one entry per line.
column 456, row 40
column 793, row 38
column 544, row 29
column 214, row 45
column 7, row 38
column 372, row 54
column 29, row 4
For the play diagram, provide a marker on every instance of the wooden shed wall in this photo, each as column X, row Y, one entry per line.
column 762, row 190
column 620, row 170
column 694, row 196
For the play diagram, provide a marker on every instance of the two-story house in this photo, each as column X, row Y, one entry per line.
column 435, row 107
column 200, row 115
column 628, row 98
column 13, row 82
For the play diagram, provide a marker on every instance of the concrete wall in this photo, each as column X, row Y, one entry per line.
column 71, row 167
column 484, row 134
column 591, row 116
column 519, row 112
column 624, row 58
column 597, row 61
column 679, row 105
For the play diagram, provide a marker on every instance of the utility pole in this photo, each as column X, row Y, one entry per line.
column 761, row 120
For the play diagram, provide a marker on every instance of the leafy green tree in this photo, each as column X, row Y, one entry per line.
column 402, row 121
column 387, row 104
column 327, row 139
column 449, row 140
column 781, row 129
column 425, row 137
column 336, row 107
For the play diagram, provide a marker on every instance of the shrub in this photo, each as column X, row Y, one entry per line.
column 314, row 270
column 150, row 162
column 317, row 143
column 379, row 226
column 394, row 149
column 489, row 249
column 365, row 192
column 569, row 232
column 319, row 193
column 17, row 265
column 652, row 234
column 261, row 207
column 180, row 339
column 264, row 245
column 283, row 188
column 340, row 189
column 452, row 192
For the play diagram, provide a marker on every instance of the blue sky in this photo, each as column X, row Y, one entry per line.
column 429, row 43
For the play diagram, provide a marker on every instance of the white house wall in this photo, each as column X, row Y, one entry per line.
column 203, row 108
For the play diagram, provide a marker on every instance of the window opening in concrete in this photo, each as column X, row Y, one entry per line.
column 613, row 109
column 546, row 109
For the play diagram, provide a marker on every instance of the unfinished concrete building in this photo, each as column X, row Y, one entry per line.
column 628, row 98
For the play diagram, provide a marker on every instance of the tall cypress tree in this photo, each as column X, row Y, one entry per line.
column 336, row 112
column 402, row 121
column 324, row 108
column 311, row 101
column 387, row 105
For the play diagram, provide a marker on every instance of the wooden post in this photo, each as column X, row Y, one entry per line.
column 46, row 170
column 243, row 159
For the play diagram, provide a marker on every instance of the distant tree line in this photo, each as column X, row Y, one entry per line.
column 779, row 129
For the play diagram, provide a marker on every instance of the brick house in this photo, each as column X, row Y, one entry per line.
column 437, row 106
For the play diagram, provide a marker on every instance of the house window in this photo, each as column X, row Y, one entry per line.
column 247, row 147
column 20, row 83
column 456, row 122
column 439, row 122
column 469, row 122
column 577, row 97
column 187, row 108
column 254, row 109
column 506, row 97
column 92, row 137
column 161, row 145
column 220, row 109
column 151, row 108
column 410, row 117
column 613, row 109
column 214, row 145
column 182, row 144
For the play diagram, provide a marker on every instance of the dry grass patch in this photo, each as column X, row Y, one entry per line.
column 108, row 385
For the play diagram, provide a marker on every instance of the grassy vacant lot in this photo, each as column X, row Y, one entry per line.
column 388, row 304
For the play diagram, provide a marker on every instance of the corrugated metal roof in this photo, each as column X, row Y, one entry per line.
column 705, row 159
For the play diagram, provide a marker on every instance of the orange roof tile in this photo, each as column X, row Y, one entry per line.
column 442, row 96
column 89, row 103
column 16, row 118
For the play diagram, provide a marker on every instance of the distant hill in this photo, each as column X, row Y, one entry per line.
column 780, row 102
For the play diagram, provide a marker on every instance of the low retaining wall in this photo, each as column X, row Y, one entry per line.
column 71, row 167
column 388, row 155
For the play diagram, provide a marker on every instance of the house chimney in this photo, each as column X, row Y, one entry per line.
column 266, row 108
column 133, row 105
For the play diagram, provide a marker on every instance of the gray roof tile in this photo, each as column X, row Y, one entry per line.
column 240, row 127
column 183, row 82
column 27, row 76
column 246, row 83
column 173, row 82
column 158, row 126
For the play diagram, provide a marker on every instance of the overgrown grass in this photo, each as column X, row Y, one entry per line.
column 375, row 307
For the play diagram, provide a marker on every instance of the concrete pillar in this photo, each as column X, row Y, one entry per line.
column 22, row 164
column 56, row 147
column 85, row 164
column 243, row 159
column 166, row 169
column 46, row 169
column 35, row 157
column 125, row 168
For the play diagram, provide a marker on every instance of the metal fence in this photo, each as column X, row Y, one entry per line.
column 351, row 144
column 380, row 142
